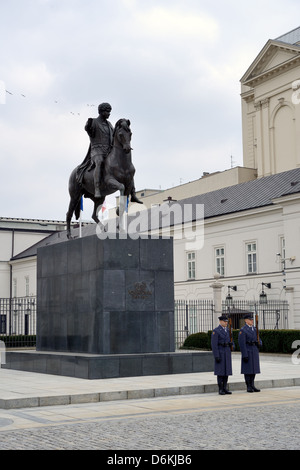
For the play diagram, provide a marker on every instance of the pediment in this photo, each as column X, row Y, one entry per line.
column 271, row 57
column 278, row 58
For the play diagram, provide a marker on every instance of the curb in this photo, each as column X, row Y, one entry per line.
column 82, row 398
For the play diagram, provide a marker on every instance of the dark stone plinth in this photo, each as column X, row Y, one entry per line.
column 106, row 310
column 89, row 366
column 112, row 296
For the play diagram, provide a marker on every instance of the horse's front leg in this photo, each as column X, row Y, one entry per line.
column 115, row 185
column 122, row 212
column 71, row 209
column 97, row 206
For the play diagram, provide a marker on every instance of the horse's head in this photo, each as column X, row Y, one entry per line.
column 122, row 134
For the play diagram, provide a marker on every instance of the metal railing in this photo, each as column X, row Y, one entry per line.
column 272, row 315
column 192, row 316
column 18, row 316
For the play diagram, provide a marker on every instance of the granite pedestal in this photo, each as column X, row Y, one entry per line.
column 105, row 308
column 112, row 296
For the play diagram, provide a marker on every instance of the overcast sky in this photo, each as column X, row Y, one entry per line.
column 172, row 67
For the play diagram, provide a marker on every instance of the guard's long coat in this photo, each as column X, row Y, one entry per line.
column 218, row 338
column 248, row 335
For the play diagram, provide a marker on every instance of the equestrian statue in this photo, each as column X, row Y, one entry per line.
column 107, row 167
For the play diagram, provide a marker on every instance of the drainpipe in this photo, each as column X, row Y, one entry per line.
column 10, row 280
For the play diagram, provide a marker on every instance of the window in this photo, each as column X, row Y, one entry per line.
column 251, row 258
column 220, row 260
column 191, row 265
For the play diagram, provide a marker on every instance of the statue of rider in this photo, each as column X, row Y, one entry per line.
column 100, row 132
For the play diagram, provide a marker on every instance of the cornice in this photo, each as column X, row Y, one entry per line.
column 248, row 95
column 13, row 262
column 246, row 214
column 274, row 71
column 287, row 199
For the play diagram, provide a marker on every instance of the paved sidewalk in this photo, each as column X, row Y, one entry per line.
column 26, row 389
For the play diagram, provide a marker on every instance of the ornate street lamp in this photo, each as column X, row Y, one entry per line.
column 263, row 296
column 229, row 300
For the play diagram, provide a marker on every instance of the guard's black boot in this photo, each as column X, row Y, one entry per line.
column 252, row 384
column 248, row 383
column 220, row 385
column 225, row 388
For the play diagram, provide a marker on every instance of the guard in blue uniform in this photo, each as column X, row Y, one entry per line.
column 221, row 347
column 249, row 347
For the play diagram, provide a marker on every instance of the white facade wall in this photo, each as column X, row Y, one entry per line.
column 24, row 277
column 266, row 227
column 20, row 278
column 16, row 235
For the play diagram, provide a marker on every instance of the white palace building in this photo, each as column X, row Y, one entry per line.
column 249, row 240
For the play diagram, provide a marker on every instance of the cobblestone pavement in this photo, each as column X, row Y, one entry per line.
column 267, row 420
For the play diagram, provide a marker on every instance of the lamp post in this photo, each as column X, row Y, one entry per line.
column 263, row 297
column 229, row 302
column 229, row 299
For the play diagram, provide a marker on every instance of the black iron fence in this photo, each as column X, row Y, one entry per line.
column 192, row 316
column 271, row 315
column 18, row 316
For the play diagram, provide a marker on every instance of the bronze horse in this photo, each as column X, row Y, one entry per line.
column 117, row 175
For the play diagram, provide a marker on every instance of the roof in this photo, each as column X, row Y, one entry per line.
column 43, row 221
column 249, row 195
column 56, row 237
column 292, row 37
column 233, row 199
column 36, row 225
column 260, row 68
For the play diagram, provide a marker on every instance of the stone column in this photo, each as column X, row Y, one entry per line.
column 289, row 291
column 265, row 137
column 217, row 297
column 259, row 140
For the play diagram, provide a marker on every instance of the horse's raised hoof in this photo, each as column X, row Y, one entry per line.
column 135, row 199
